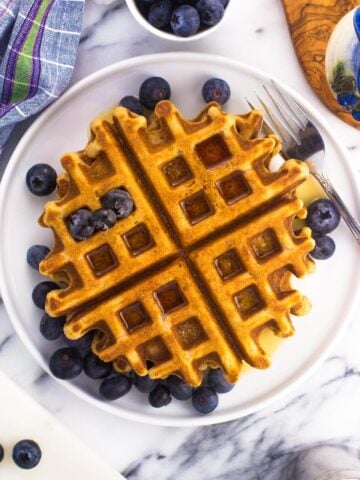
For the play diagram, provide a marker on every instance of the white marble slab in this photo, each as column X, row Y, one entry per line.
column 325, row 410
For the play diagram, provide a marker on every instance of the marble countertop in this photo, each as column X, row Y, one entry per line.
column 323, row 411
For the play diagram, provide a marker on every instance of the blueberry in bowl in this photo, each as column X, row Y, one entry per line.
column 211, row 11
column 185, row 21
column 179, row 19
column 160, row 13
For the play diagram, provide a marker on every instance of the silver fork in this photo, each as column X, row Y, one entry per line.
column 302, row 140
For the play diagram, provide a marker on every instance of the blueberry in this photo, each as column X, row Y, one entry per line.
column 211, row 11
column 153, row 90
column 66, row 363
column 119, row 201
column 80, row 224
column 133, row 104
column 347, row 99
column 185, row 21
column 322, row 216
column 35, row 255
column 216, row 90
column 40, row 292
column 178, row 388
column 103, row 219
column 160, row 13
column 143, row 6
column 144, row 383
column 204, row 400
column 159, row 397
column 224, row 2
column 1, row 453
column 115, row 387
column 82, row 343
column 26, row 454
column 356, row 115
column 41, row 179
column 217, row 382
column 51, row 328
column 324, row 247
column 95, row 368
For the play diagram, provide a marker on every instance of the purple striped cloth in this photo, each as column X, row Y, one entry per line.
column 38, row 46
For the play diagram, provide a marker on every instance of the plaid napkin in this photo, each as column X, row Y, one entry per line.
column 38, row 46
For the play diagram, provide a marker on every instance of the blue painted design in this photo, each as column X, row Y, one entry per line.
column 347, row 100
column 356, row 64
column 357, row 22
column 356, row 115
column 345, row 81
column 356, row 54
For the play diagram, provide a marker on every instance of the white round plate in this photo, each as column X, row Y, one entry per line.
column 333, row 289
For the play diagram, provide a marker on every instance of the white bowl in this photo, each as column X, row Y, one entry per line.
column 171, row 36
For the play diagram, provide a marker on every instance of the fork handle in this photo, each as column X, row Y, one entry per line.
column 329, row 189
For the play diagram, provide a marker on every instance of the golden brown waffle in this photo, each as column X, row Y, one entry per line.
column 204, row 168
column 91, row 267
column 248, row 272
column 214, row 264
column 170, row 319
column 166, row 321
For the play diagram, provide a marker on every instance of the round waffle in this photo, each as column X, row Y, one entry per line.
column 204, row 261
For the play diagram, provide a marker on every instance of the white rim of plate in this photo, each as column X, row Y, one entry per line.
column 170, row 421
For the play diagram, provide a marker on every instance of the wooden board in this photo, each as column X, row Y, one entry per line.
column 311, row 23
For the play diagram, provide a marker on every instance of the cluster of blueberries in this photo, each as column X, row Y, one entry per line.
column 155, row 89
column 184, row 18
column 117, row 204
column 323, row 218
column 26, row 454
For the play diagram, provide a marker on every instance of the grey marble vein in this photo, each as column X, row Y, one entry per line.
column 260, row 446
column 108, row 10
column 4, row 341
